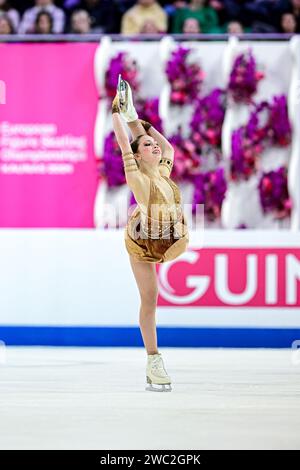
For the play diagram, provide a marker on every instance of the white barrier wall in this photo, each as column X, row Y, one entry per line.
column 242, row 285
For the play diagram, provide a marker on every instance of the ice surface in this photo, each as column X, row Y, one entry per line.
column 95, row 398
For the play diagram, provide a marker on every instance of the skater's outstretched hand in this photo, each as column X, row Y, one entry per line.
column 115, row 106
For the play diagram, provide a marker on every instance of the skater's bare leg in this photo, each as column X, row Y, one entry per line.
column 145, row 276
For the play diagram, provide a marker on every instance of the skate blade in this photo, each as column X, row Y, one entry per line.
column 157, row 387
column 122, row 91
column 160, row 388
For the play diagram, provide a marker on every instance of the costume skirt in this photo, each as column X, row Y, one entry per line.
column 155, row 250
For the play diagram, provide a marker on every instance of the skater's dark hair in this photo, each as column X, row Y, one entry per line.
column 135, row 143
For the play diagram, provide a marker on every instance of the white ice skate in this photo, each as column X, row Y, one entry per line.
column 128, row 111
column 157, row 377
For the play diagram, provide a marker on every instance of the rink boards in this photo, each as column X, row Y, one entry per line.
column 75, row 287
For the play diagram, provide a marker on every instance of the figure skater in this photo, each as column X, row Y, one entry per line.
column 156, row 231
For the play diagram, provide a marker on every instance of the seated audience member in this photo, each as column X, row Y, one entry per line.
column 149, row 27
column 219, row 7
column 198, row 9
column 80, row 22
column 145, row 16
column 191, row 26
column 253, row 15
column 278, row 7
column 288, row 23
column 234, row 27
column 170, row 8
column 29, row 17
column 291, row 6
column 6, row 26
column 43, row 23
column 105, row 14
column 124, row 5
column 21, row 5
column 11, row 13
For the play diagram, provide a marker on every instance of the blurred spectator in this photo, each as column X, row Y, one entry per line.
column 171, row 8
column 288, row 23
column 105, row 14
column 153, row 16
column 296, row 7
column 22, row 5
column 80, row 22
column 289, row 6
column 219, row 7
column 6, row 26
column 11, row 13
column 124, row 5
column 234, row 27
column 145, row 17
column 191, row 26
column 204, row 14
column 248, row 12
column 29, row 17
column 43, row 23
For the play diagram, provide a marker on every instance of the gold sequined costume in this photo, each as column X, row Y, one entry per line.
column 160, row 234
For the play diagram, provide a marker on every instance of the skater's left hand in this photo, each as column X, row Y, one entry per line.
column 115, row 106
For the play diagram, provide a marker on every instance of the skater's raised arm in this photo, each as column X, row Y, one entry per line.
column 166, row 147
column 136, row 128
column 134, row 177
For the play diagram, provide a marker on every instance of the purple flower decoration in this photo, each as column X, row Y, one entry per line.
column 122, row 64
column 244, row 154
column 147, row 110
column 269, row 122
column 210, row 189
column 244, row 78
column 279, row 125
column 186, row 159
column 273, row 192
column 208, row 117
column 111, row 165
column 268, row 126
column 185, row 79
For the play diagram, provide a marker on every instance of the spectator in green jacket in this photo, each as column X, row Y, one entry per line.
column 204, row 14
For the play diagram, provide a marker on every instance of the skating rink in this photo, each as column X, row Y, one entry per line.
column 95, row 398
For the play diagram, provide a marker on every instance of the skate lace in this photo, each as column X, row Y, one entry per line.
column 157, row 364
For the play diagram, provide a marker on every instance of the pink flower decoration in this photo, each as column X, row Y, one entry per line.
column 244, row 78
column 122, row 64
column 185, row 79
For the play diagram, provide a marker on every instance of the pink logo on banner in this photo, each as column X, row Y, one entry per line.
column 48, row 175
column 248, row 277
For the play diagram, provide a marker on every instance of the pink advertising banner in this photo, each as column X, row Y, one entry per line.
column 48, row 173
column 235, row 277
